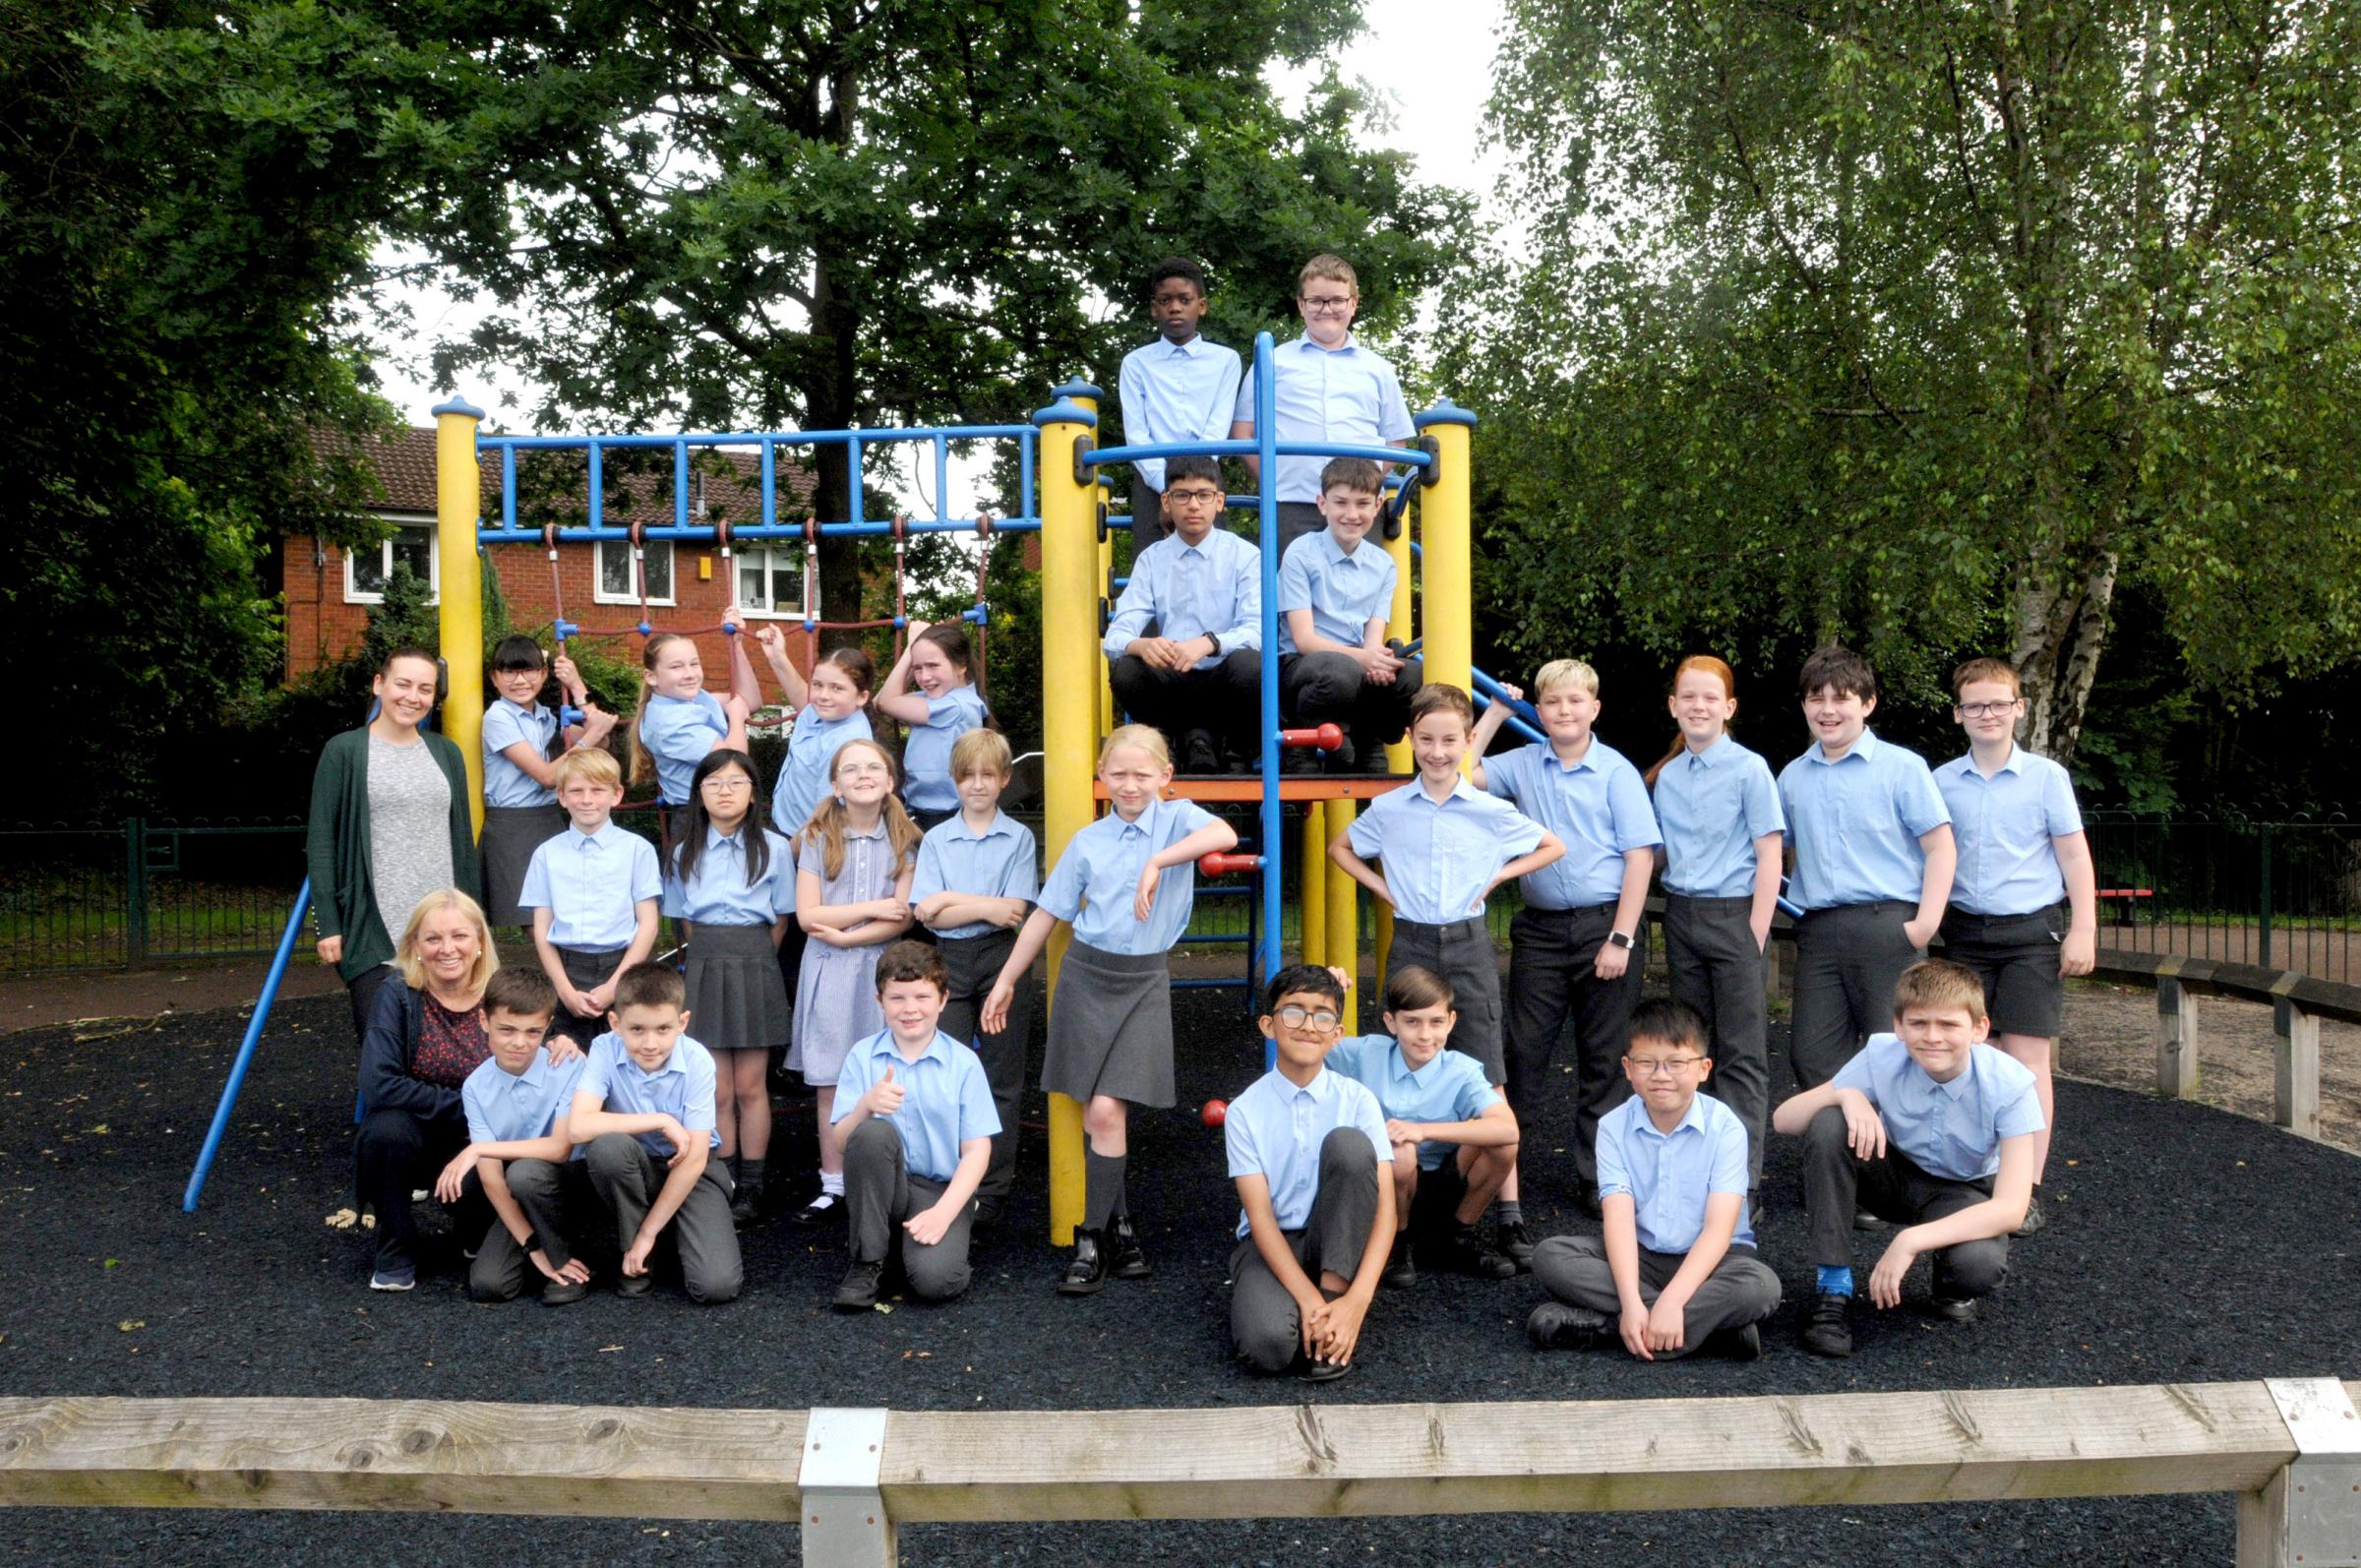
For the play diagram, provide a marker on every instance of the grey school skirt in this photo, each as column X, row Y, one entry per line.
column 737, row 1000
column 510, row 836
column 1111, row 1027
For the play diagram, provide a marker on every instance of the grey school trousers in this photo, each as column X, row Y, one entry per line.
column 975, row 963
column 1741, row 1290
column 1461, row 952
column 1715, row 967
column 1847, row 960
column 1837, row 1183
column 881, row 1192
column 627, row 1178
column 557, row 1204
column 1550, row 980
column 1266, row 1329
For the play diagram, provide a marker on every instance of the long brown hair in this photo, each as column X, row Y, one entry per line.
column 1702, row 664
column 826, row 828
column 643, row 762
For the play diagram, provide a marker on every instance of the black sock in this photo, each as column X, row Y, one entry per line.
column 1101, row 1188
column 1509, row 1212
column 748, row 1173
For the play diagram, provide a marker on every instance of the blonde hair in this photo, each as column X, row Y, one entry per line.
column 981, row 751
column 643, row 762
column 827, row 825
column 1974, row 670
column 593, row 763
column 1334, row 269
column 1938, row 983
column 1694, row 664
column 405, row 951
column 1141, row 737
column 1565, row 672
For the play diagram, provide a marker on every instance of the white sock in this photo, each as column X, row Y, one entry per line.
column 832, row 1183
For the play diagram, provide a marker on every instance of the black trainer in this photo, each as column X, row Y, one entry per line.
column 1955, row 1309
column 746, row 1205
column 858, row 1290
column 1741, row 1344
column 1401, row 1269
column 2034, row 1220
column 1125, row 1258
column 1466, row 1252
column 1198, row 753
column 1828, row 1328
column 1086, row 1271
column 1555, row 1326
column 1514, row 1242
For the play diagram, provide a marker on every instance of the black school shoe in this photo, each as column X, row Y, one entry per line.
column 1741, row 1344
column 1466, row 1251
column 1198, row 753
column 2035, row 1222
column 1401, row 1268
column 1086, row 1272
column 1127, row 1259
column 1828, row 1328
column 1954, row 1309
column 825, row 1208
column 1555, row 1326
column 1312, row 1370
column 745, row 1204
column 563, row 1293
column 857, row 1292
column 1514, row 1242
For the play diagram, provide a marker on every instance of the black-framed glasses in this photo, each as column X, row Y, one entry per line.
column 1980, row 711
column 1319, row 1022
column 1664, row 1067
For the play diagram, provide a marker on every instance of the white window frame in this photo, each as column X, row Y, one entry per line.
column 797, row 561
column 598, row 573
column 354, row 593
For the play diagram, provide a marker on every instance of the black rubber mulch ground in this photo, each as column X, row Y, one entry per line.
column 2187, row 1244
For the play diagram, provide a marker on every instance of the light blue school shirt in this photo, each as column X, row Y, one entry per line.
column 1439, row 856
column 927, row 754
column 1187, row 590
column 510, row 1108
column 677, row 732
column 1094, row 881
column 682, row 1088
column 1597, row 808
column 1710, row 807
column 1175, row 391
column 1346, row 397
column 997, row 863
column 591, row 884
column 1450, row 1088
column 2004, row 826
column 948, row 1099
column 1948, row 1129
column 812, row 748
column 719, row 895
column 1274, row 1130
column 505, row 725
column 1668, row 1176
column 1343, row 592
column 1855, row 823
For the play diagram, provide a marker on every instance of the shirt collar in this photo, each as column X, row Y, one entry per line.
column 1322, row 1085
column 937, row 1048
column 1464, row 790
column 603, row 837
column 1305, row 345
column 877, row 831
column 1866, row 749
column 715, row 838
column 1147, row 818
column 998, row 828
column 1963, row 766
column 1693, row 1118
column 1714, row 756
column 1398, row 1065
column 1192, row 348
column 1590, row 757
column 536, row 1072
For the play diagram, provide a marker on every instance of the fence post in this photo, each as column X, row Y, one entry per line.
column 2265, row 879
column 2295, row 1061
column 134, row 891
column 2310, row 1515
column 2176, row 1039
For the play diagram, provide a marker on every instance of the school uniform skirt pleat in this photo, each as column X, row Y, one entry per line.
column 510, row 836
column 737, row 1000
column 1111, row 1027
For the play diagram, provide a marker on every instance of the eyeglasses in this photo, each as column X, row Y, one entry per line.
column 1328, row 304
column 735, row 785
column 1668, row 1067
column 1168, row 301
column 1980, row 711
column 1321, row 1022
column 1193, row 496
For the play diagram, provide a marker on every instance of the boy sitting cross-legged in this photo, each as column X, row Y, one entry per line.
column 915, row 1122
column 519, row 1151
column 1932, row 1128
column 1675, row 1269
column 1454, row 1138
column 1305, row 1145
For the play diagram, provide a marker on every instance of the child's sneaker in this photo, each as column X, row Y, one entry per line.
column 1555, row 1326
column 1466, row 1252
column 1828, row 1328
column 858, row 1290
column 1401, row 1269
column 1514, row 1242
column 395, row 1277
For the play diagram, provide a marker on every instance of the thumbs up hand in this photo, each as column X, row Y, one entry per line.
column 884, row 1097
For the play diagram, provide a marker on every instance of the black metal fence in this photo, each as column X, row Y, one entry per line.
column 2277, row 895
column 143, row 892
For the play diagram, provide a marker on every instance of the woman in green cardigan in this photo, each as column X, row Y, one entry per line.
column 389, row 825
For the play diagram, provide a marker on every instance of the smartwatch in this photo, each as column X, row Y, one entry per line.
column 532, row 1243
column 1620, row 938
column 1217, row 644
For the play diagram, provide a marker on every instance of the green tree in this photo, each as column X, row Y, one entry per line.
column 1929, row 326
column 825, row 213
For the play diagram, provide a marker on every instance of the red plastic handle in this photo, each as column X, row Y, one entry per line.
column 1327, row 738
column 1226, row 865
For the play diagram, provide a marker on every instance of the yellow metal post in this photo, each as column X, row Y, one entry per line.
column 1399, row 626
column 459, row 507
column 1104, row 578
column 1448, row 578
column 1069, row 712
column 1312, row 895
column 1344, row 921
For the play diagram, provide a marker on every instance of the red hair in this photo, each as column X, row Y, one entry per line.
column 1702, row 664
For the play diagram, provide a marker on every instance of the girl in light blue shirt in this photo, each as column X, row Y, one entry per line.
column 946, row 707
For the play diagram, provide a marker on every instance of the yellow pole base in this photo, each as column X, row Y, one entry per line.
column 1343, row 923
column 1312, row 895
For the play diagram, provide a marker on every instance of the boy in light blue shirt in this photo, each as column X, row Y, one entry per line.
column 1336, row 592
column 1927, row 1127
column 594, row 892
column 1445, row 845
column 1305, row 1145
column 914, row 1118
column 644, row 1109
column 1454, row 1138
column 519, row 1153
column 1179, row 388
column 1675, row 1272
column 1874, row 857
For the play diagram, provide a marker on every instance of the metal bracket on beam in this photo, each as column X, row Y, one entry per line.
column 2320, row 1498
column 844, row 1520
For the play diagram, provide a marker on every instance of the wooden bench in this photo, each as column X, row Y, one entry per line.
column 2129, row 897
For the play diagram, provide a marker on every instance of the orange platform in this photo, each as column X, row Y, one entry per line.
column 1232, row 788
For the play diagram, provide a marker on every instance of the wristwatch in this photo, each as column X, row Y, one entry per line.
column 1620, row 938
column 532, row 1243
column 1217, row 644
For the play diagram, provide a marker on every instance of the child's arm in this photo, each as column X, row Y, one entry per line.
column 774, row 652
column 1639, row 865
column 1382, row 663
column 1540, row 855
column 1213, row 838
column 643, row 942
column 1619, row 1217
column 888, row 919
column 948, row 908
column 2080, row 949
column 894, row 698
column 1030, row 938
column 1766, row 888
column 556, row 1148
column 1864, row 1129
column 1340, row 851
column 928, row 1224
column 1479, row 739
column 1934, row 888
column 687, row 1164
column 1341, row 1323
column 1997, row 1215
column 589, row 1118
column 573, row 1000
column 1494, row 1128
column 1270, row 1244
column 1667, row 1323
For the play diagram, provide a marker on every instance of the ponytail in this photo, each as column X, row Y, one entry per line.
column 1701, row 664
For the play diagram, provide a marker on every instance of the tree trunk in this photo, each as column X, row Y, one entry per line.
column 2061, row 630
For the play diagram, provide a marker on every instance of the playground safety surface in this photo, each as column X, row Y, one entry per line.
column 2185, row 1244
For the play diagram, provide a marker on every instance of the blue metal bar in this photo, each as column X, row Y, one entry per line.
column 679, row 484
column 245, row 1056
column 943, row 476
column 1219, row 985
column 1513, row 724
column 754, row 438
column 851, row 488
column 598, row 491
column 1263, row 447
column 705, row 532
column 1267, row 448
column 1197, row 939
column 1491, row 687
column 771, row 495
column 508, row 490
